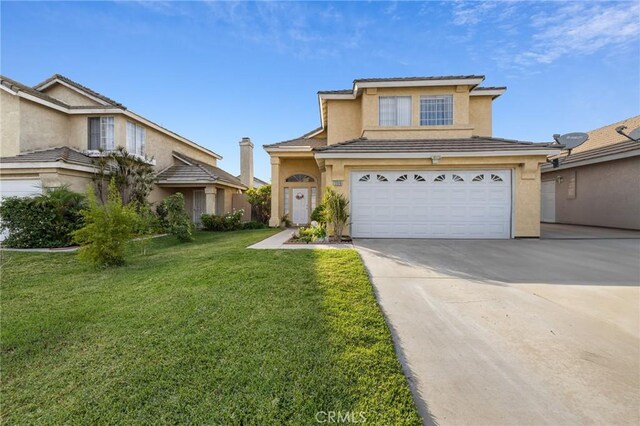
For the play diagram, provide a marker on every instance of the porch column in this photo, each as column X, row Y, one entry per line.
column 210, row 199
column 276, row 212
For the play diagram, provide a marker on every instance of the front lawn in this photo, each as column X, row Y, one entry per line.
column 204, row 333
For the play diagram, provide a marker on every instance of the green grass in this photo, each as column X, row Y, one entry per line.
column 205, row 333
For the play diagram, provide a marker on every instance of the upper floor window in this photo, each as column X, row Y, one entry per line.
column 102, row 133
column 395, row 110
column 436, row 110
column 135, row 138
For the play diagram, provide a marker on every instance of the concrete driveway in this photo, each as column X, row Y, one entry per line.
column 514, row 332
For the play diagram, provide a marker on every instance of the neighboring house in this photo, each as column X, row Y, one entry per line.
column 52, row 132
column 416, row 158
column 257, row 182
column 598, row 184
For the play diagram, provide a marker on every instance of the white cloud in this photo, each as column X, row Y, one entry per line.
column 547, row 31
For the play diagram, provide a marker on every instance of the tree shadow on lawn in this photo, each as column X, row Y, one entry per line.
column 207, row 332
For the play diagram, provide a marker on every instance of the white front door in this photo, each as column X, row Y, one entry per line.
column 199, row 205
column 300, row 206
column 548, row 202
column 431, row 204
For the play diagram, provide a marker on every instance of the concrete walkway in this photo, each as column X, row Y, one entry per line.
column 514, row 332
column 277, row 242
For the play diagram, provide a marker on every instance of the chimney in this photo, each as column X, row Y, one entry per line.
column 246, row 162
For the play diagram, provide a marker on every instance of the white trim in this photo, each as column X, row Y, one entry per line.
column 317, row 132
column 76, row 89
column 97, row 110
column 41, row 101
column 602, row 159
column 181, row 159
column 2, row 86
column 47, row 165
column 289, row 149
column 440, row 154
column 490, row 92
column 419, row 83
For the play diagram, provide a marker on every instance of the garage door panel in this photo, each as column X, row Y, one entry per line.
column 434, row 204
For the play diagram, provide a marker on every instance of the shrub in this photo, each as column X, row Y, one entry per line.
column 227, row 222
column 260, row 199
column 47, row 220
column 336, row 210
column 311, row 233
column 178, row 220
column 253, row 225
column 285, row 221
column 107, row 228
column 317, row 214
column 163, row 217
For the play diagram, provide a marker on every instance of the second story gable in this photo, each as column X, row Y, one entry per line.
column 409, row 108
column 62, row 113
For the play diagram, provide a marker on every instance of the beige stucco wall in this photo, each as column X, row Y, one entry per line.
column 69, row 96
column 480, row 110
column 9, row 124
column 526, row 180
column 42, row 127
column 607, row 194
column 344, row 120
column 349, row 119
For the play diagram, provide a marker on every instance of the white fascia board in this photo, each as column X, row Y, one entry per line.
column 349, row 96
column 96, row 110
column 47, row 165
column 5, row 88
column 539, row 152
column 418, row 83
column 602, row 159
column 492, row 92
column 75, row 89
column 289, row 149
column 40, row 101
column 170, row 133
column 317, row 132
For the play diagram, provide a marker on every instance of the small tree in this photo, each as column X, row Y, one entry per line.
column 177, row 217
column 107, row 229
column 134, row 176
column 260, row 199
column 336, row 208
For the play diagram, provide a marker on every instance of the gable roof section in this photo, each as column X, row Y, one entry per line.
column 60, row 79
column 475, row 146
column 302, row 143
column 607, row 135
column 602, row 154
column 109, row 107
column 192, row 171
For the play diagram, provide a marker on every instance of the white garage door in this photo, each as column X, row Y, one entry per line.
column 548, row 202
column 18, row 188
column 433, row 204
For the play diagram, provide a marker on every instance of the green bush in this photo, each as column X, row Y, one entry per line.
column 336, row 210
column 317, row 214
column 163, row 217
column 260, row 199
column 107, row 229
column 253, row 225
column 178, row 220
column 311, row 233
column 228, row 222
column 45, row 221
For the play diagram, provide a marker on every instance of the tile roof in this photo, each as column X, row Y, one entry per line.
column 475, row 143
column 607, row 135
column 626, row 147
column 489, row 88
column 300, row 141
column 16, row 86
column 441, row 77
column 80, row 87
column 66, row 154
column 196, row 171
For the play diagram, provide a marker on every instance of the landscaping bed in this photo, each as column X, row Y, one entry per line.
column 205, row 332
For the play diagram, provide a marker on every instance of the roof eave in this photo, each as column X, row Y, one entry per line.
column 440, row 154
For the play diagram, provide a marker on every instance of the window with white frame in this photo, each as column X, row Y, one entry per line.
column 436, row 110
column 395, row 111
column 135, row 138
column 102, row 133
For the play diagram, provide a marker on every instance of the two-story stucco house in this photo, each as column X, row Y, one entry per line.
column 52, row 132
column 416, row 158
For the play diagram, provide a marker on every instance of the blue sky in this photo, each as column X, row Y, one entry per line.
column 217, row 71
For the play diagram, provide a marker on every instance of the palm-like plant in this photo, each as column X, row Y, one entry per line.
column 336, row 210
